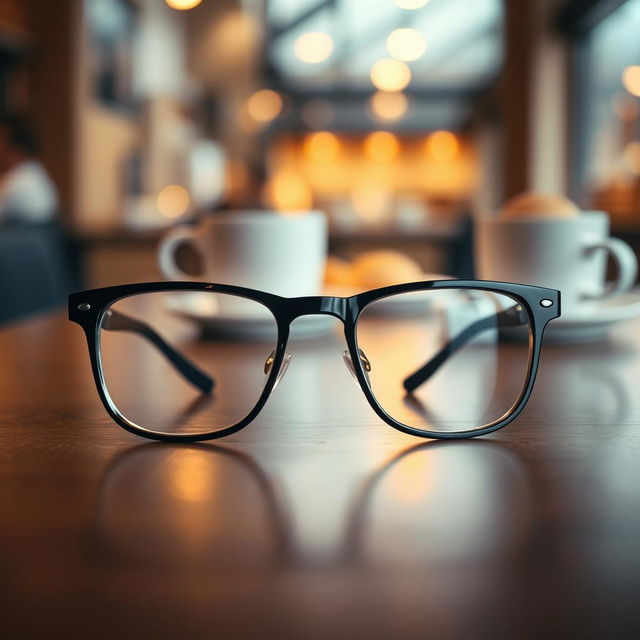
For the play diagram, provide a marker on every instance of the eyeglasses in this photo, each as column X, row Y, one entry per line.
column 437, row 359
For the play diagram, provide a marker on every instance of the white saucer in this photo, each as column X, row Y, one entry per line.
column 203, row 309
column 594, row 324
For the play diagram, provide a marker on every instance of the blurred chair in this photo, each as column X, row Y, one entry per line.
column 34, row 270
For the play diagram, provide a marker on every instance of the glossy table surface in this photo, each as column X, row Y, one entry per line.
column 318, row 520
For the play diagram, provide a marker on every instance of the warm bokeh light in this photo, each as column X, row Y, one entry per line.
column 264, row 105
column 631, row 79
column 183, row 5
column 389, row 106
column 632, row 156
column 173, row 201
column 625, row 107
column 321, row 146
column 406, row 44
column 229, row 48
column 371, row 201
column 390, row 75
column 287, row 191
column 411, row 4
column 381, row 146
column 410, row 172
column 442, row 146
column 313, row 47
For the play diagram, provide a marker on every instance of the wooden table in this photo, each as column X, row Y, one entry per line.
column 324, row 522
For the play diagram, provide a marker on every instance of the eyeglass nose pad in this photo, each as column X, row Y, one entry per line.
column 346, row 356
column 268, row 365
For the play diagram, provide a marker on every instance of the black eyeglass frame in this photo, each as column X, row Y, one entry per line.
column 88, row 308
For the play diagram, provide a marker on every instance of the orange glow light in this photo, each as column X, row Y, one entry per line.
column 389, row 106
column 173, row 201
column 371, row 201
column 313, row 47
column 381, row 146
column 631, row 79
column 287, row 191
column 442, row 146
column 390, row 75
column 321, row 146
column 183, row 5
column 406, row 44
column 264, row 105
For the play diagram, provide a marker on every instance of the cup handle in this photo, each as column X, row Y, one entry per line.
column 626, row 264
column 167, row 253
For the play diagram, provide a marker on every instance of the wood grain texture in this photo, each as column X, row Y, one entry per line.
column 319, row 520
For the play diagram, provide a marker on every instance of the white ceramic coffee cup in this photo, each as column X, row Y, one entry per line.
column 569, row 254
column 264, row 250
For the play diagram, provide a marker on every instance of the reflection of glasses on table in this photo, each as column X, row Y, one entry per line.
column 439, row 359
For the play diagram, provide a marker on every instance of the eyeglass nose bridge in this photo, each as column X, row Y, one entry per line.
column 318, row 305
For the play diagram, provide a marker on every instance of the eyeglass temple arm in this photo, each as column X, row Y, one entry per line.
column 513, row 317
column 116, row 321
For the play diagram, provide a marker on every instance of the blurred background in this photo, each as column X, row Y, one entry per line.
column 398, row 118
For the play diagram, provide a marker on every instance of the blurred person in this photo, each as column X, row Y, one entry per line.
column 27, row 194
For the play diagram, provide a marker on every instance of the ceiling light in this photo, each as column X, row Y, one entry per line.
column 183, row 5
column 631, row 79
column 406, row 44
column 264, row 105
column 313, row 47
column 173, row 201
column 390, row 75
column 442, row 146
column 321, row 146
column 381, row 146
column 388, row 106
column 287, row 191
